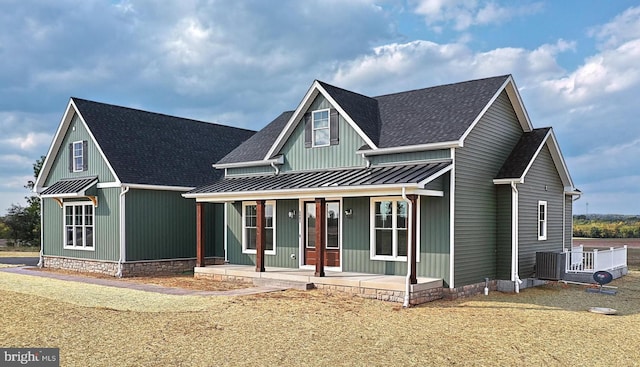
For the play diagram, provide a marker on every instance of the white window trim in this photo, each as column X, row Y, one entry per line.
column 64, row 226
column 245, row 250
column 76, row 169
column 372, row 229
column 313, row 128
column 542, row 237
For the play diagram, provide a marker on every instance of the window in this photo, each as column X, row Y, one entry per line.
column 250, row 227
column 78, row 226
column 321, row 129
column 542, row 220
column 78, row 157
column 389, row 229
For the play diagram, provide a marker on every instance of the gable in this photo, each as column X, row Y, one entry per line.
column 96, row 165
column 299, row 156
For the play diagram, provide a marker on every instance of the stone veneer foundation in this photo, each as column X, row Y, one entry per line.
column 418, row 296
column 129, row 269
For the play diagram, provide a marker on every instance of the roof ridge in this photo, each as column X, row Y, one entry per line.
column 161, row 114
column 343, row 89
column 442, row 85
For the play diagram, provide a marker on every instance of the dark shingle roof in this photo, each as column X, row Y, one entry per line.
column 523, row 153
column 431, row 115
column 256, row 147
column 436, row 114
column 156, row 149
column 362, row 109
column 387, row 175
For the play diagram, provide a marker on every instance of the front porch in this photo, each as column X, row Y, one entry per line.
column 382, row 287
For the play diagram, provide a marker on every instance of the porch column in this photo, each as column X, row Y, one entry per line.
column 321, row 235
column 261, row 235
column 200, row 234
column 413, row 237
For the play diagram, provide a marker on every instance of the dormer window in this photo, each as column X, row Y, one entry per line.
column 78, row 156
column 321, row 128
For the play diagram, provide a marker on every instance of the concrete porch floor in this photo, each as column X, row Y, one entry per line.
column 332, row 278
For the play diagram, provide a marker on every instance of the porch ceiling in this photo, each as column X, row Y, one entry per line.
column 415, row 175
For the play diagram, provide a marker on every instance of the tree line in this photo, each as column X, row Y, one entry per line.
column 21, row 225
column 606, row 226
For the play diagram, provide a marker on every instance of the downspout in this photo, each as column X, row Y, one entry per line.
column 276, row 168
column 407, row 287
column 123, row 236
column 41, row 260
column 224, row 235
column 514, row 238
column 368, row 164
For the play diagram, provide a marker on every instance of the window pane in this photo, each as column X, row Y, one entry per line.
column 402, row 214
column 384, row 242
column 69, row 236
column 332, row 225
column 383, row 214
column 311, row 224
column 403, row 240
column 89, row 237
column 320, row 119
column 269, row 239
column 79, row 237
column 78, row 215
column 251, row 238
column 321, row 137
column 88, row 215
column 68, row 218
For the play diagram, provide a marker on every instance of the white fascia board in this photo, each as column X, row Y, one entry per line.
column 435, row 175
column 508, row 181
column 157, row 187
column 265, row 162
column 516, row 102
column 54, row 149
column 437, row 193
column 373, row 190
column 311, row 94
column 411, row 148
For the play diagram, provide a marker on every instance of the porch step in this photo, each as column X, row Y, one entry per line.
column 289, row 284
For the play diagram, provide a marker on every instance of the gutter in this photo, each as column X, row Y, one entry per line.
column 123, row 237
column 277, row 160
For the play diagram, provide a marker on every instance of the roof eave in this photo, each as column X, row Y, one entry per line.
column 265, row 162
column 411, row 148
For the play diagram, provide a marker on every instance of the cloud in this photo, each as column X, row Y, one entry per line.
column 28, row 142
column 464, row 14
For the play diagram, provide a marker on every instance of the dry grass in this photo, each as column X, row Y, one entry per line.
column 102, row 326
column 6, row 253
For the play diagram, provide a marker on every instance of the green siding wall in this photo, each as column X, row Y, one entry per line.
column 299, row 158
column 106, row 228
column 249, row 170
column 542, row 173
column 435, row 235
column 503, row 232
column 96, row 165
column 484, row 152
column 410, row 157
column 162, row 225
column 286, row 236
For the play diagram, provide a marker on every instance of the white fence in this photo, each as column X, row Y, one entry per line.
column 580, row 261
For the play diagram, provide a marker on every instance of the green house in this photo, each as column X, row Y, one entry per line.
column 451, row 182
column 111, row 188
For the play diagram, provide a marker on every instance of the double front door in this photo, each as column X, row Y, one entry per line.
column 332, row 230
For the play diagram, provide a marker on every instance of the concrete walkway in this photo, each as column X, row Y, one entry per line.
column 138, row 286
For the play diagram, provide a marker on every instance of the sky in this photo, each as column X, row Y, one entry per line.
column 241, row 63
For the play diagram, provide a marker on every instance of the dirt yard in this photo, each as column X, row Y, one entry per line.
column 103, row 326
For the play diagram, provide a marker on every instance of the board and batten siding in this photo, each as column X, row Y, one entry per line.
column 287, row 240
column 162, row 225
column 434, row 240
column 299, row 158
column 485, row 150
column 410, row 157
column 106, row 228
column 542, row 182
column 248, row 171
column 96, row 165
